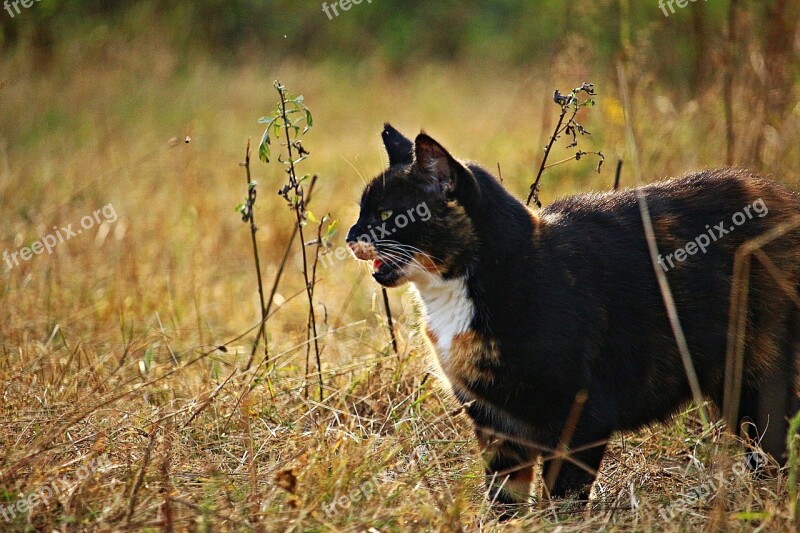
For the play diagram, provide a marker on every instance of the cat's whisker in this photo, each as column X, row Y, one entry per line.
column 397, row 252
column 411, row 260
column 411, row 257
column 398, row 260
column 354, row 168
column 408, row 248
column 424, row 254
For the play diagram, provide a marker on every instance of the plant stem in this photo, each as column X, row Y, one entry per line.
column 299, row 210
column 618, row 175
column 534, row 193
column 389, row 319
column 251, row 200
column 281, row 268
column 728, row 83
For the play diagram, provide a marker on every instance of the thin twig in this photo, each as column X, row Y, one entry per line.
column 349, row 299
column 167, row 510
column 567, row 102
column 737, row 314
column 281, row 267
column 389, row 320
column 210, row 399
column 577, row 157
column 250, row 207
column 140, row 477
column 534, row 192
column 728, row 82
column 299, row 210
column 562, row 449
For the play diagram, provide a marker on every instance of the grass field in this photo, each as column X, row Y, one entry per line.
column 108, row 345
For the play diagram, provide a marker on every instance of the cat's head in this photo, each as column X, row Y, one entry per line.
column 414, row 222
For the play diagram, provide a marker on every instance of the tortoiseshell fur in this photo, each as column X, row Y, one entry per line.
column 528, row 308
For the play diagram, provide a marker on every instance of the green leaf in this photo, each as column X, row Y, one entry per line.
column 311, row 217
column 263, row 147
column 263, row 152
column 332, row 229
column 309, row 121
column 149, row 355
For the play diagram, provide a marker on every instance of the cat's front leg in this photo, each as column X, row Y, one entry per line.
column 509, row 471
column 572, row 473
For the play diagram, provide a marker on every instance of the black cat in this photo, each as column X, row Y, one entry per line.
column 529, row 310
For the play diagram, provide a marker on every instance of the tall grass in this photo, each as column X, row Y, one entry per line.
column 112, row 345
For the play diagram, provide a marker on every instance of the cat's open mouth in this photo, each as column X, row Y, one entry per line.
column 386, row 273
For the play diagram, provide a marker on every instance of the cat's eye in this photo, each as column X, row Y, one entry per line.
column 385, row 215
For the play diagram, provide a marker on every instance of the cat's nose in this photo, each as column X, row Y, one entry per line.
column 362, row 250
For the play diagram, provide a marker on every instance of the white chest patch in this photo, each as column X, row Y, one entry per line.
column 448, row 310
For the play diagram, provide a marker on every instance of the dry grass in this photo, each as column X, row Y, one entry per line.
column 108, row 346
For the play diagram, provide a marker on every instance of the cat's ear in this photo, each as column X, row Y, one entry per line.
column 437, row 162
column 453, row 179
column 399, row 148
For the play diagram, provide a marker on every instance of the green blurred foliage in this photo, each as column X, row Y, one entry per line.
column 401, row 33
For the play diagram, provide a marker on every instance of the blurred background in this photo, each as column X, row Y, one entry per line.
column 93, row 91
column 98, row 99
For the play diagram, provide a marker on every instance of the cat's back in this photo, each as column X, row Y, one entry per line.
column 681, row 208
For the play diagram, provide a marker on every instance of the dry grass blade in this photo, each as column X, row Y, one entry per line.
column 737, row 327
column 737, row 321
column 137, row 485
column 562, row 450
column 167, row 509
column 666, row 292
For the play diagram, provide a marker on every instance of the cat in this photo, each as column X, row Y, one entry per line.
column 532, row 312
